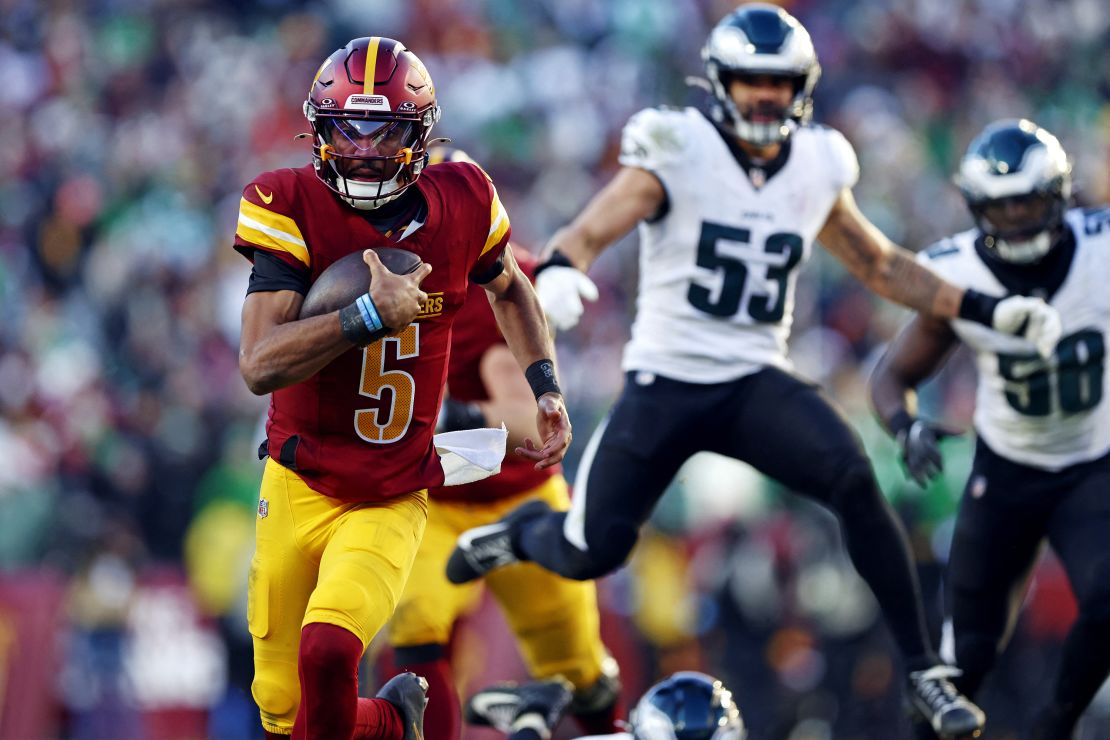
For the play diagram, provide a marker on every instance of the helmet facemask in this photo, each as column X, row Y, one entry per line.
column 369, row 161
column 760, row 124
column 1023, row 228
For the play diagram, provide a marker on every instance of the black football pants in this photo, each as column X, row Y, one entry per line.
column 783, row 427
column 1007, row 511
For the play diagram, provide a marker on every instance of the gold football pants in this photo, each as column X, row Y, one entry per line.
column 321, row 560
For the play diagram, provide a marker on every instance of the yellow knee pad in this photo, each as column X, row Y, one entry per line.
column 277, row 702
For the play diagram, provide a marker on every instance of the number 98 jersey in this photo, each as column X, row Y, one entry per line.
column 718, row 266
column 1046, row 413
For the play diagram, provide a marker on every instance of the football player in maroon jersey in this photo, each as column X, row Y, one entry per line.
column 554, row 619
column 356, row 392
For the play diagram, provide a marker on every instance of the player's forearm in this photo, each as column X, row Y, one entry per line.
column 899, row 278
column 892, row 397
column 521, row 321
column 291, row 352
column 578, row 245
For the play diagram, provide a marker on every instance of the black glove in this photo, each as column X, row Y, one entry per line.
column 920, row 444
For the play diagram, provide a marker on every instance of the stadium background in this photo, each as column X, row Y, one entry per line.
column 127, row 438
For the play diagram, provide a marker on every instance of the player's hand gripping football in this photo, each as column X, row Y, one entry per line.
column 561, row 290
column 398, row 298
column 1032, row 318
column 555, row 432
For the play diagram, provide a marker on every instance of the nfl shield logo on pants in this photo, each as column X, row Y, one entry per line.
column 263, row 508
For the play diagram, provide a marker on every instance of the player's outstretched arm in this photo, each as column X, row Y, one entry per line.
column 521, row 321
column 893, row 273
column 919, row 350
column 630, row 197
column 277, row 349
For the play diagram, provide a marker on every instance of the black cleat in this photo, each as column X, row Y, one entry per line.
column 482, row 549
column 951, row 714
column 408, row 692
column 508, row 706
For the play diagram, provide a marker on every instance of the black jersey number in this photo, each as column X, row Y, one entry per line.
column 764, row 308
column 1080, row 363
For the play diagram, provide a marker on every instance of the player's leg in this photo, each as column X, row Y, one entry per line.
column 628, row 463
column 556, row 624
column 1079, row 531
column 791, row 432
column 999, row 529
column 421, row 626
column 366, row 561
column 281, row 579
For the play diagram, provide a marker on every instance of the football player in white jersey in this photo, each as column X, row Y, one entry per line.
column 1042, row 457
column 728, row 205
column 686, row 705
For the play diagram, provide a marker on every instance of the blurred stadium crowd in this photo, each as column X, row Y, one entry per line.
column 129, row 475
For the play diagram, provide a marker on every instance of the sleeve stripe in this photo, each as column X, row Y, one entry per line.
column 499, row 224
column 272, row 230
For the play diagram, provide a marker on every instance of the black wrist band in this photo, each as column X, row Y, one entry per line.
column 557, row 259
column 541, row 376
column 355, row 329
column 978, row 307
column 462, row 415
column 900, row 422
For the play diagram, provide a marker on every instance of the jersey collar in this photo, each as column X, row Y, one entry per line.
column 759, row 174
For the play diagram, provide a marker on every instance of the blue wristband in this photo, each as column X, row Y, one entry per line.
column 369, row 312
column 361, row 323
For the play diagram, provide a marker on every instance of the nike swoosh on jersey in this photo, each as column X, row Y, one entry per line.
column 265, row 198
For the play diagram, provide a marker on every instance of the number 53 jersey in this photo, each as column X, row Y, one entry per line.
column 718, row 266
column 1047, row 413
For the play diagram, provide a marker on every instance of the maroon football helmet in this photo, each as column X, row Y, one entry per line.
column 372, row 106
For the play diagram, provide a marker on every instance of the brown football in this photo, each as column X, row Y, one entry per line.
column 348, row 277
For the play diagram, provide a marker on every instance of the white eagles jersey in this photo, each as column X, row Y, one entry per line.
column 1045, row 413
column 718, row 269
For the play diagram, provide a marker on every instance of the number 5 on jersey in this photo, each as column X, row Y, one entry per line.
column 387, row 423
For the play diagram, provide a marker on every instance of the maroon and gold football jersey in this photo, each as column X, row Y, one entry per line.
column 475, row 332
column 361, row 428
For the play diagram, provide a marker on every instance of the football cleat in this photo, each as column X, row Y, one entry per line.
column 508, row 707
column 409, row 693
column 482, row 549
column 936, row 700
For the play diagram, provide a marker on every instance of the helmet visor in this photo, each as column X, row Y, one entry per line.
column 367, row 149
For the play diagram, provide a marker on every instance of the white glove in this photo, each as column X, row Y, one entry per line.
column 561, row 290
column 1042, row 321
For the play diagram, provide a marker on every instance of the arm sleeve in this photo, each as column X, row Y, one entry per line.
column 271, row 273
